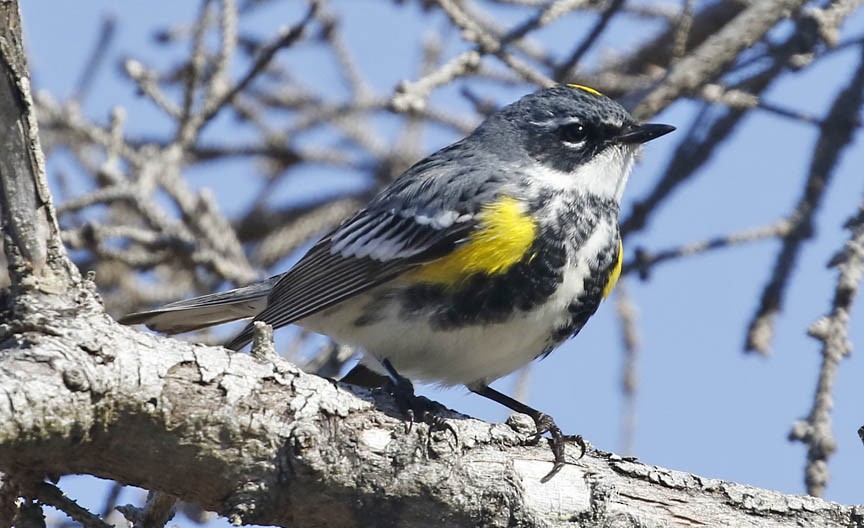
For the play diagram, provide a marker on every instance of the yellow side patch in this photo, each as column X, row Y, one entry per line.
column 503, row 237
column 584, row 88
column 616, row 271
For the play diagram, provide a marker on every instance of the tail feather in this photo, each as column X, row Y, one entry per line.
column 207, row 310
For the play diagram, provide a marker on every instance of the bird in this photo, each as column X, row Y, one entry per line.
column 476, row 260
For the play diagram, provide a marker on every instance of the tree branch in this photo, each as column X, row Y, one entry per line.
column 261, row 442
column 51, row 495
column 33, row 248
column 707, row 61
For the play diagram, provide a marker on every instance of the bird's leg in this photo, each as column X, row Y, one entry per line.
column 363, row 376
column 542, row 421
column 412, row 405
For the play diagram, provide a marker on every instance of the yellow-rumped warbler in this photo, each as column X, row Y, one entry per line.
column 478, row 259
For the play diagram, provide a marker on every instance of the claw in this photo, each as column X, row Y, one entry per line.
column 409, row 413
column 435, row 422
column 425, row 408
column 439, row 423
column 545, row 424
column 412, row 405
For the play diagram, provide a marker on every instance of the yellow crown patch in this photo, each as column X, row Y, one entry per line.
column 584, row 88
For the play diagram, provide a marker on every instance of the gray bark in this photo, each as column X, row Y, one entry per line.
column 261, row 442
column 33, row 247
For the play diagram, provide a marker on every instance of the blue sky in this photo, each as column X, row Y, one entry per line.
column 703, row 405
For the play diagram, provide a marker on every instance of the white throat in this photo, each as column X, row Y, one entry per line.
column 605, row 176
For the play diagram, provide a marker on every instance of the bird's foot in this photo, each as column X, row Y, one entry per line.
column 545, row 424
column 418, row 408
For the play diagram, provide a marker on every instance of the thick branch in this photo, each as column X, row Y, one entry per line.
column 261, row 442
column 32, row 237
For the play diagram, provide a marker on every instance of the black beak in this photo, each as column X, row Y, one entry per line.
column 642, row 133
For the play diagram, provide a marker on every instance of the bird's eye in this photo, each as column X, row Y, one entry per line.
column 573, row 132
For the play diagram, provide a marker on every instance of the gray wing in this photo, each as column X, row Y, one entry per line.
column 422, row 216
column 369, row 250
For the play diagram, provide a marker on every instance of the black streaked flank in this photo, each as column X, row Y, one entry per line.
column 487, row 299
column 484, row 299
column 583, row 307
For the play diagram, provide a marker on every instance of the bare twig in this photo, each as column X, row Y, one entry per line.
column 187, row 128
column 832, row 331
column 96, row 58
column 412, row 96
column 146, row 80
column 835, row 135
column 683, row 25
column 227, row 44
column 51, row 495
column 626, row 311
column 286, row 38
column 157, row 511
column 563, row 71
column 262, row 342
column 708, row 131
column 645, row 260
column 705, row 62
